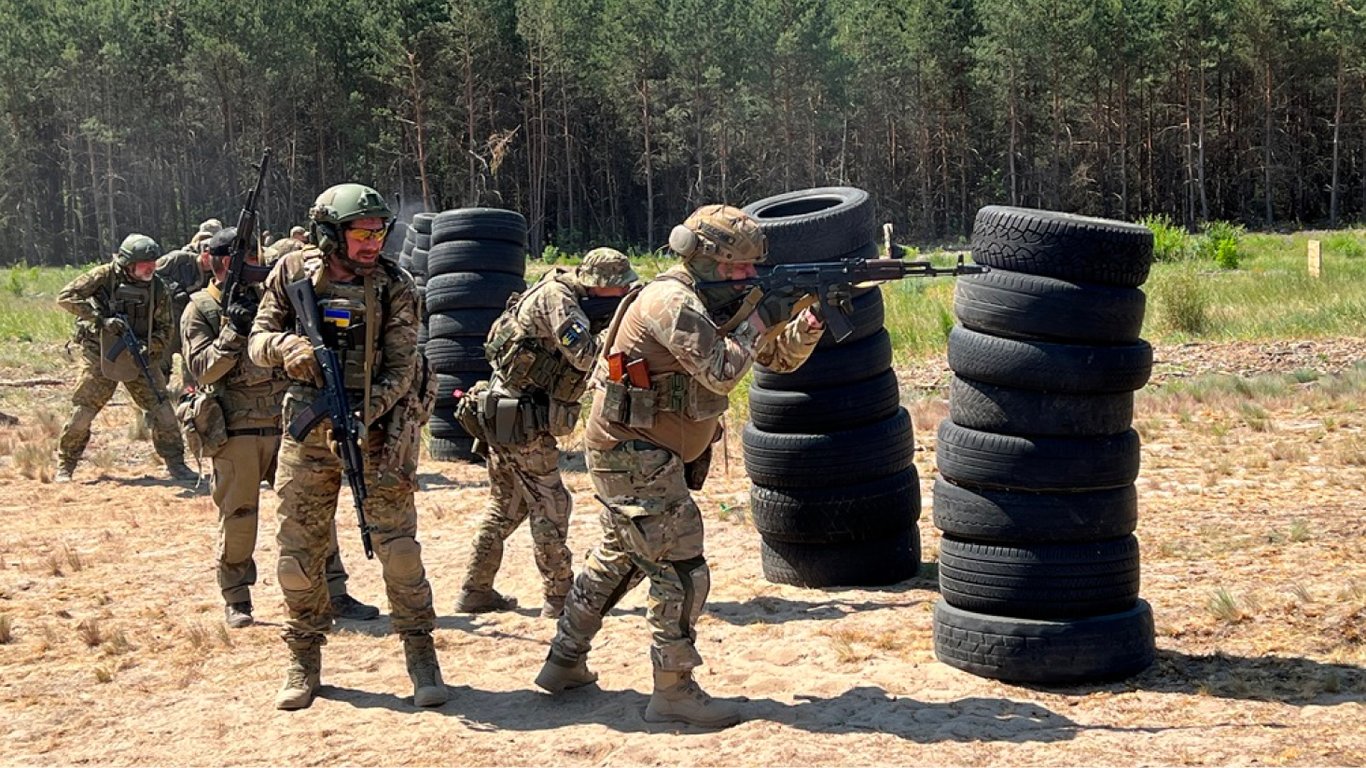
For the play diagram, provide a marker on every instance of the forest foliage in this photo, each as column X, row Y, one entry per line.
column 606, row 121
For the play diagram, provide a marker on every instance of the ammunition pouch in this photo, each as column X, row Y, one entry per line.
column 527, row 366
column 497, row 419
column 678, row 393
column 202, row 423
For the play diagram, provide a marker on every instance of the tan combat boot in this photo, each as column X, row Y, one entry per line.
column 678, row 698
column 65, row 469
column 179, row 470
column 483, row 602
column 302, row 676
column 560, row 674
column 428, row 688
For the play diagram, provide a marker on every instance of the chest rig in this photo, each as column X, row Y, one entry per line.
column 351, row 320
column 134, row 300
column 245, row 373
column 524, row 361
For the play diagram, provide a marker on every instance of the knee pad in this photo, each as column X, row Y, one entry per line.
column 404, row 562
column 695, row 575
column 291, row 574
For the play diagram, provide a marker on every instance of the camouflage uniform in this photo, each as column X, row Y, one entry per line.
column 250, row 399
column 91, row 298
column 651, row 526
column 279, row 249
column 545, row 336
column 310, row 474
column 181, row 272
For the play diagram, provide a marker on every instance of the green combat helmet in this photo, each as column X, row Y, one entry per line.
column 342, row 203
column 135, row 249
column 606, row 268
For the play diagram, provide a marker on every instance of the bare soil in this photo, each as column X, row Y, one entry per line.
column 1254, row 562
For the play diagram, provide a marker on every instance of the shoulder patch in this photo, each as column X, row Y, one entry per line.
column 572, row 333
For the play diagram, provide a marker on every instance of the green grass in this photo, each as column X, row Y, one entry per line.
column 28, row 304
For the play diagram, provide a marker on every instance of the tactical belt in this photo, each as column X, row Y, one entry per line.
column 256, row 432
column 642, row 445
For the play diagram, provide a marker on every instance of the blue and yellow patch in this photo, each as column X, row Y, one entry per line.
column 572, row 333
column 338, row 317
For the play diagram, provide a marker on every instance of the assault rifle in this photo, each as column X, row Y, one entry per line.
column 242, row 244
column 332, row 403
column 784, row 286
column 129, row 341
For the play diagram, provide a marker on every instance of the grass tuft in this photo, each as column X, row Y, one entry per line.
column 198, row 635
column 103, row 674
column 90, row 633
column 1225, row 607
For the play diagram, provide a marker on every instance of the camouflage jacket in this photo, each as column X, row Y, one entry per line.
column 215, row 352
column 99, row 293
column 395, row 351
column 548, row 314
column 668, row 327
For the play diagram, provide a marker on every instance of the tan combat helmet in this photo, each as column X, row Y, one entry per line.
column 606, row 268
column 721, row 233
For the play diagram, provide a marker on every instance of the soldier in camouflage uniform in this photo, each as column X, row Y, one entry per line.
column 248, row 398
column 297, row 239
column 541, row 349
column 101, row 299
column 370, row 306
column 184, row 270
column 648, row 445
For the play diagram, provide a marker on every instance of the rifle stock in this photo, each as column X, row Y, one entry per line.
column 347, row 431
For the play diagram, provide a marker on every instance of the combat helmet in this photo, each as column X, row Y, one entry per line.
column 342, row 203
column 135, row 249
column 606, row 268
column 721, row 233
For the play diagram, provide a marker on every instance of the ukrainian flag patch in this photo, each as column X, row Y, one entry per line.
column 338, row 317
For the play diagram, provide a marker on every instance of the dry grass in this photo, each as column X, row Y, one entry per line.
column 1225, row 607
column 116, row 643
column 90, row 632
column 73, row 559
column 198, row 635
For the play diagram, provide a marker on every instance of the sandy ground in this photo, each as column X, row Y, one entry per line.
column 1253, row 555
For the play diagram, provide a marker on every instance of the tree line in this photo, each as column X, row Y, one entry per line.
column 607, row 121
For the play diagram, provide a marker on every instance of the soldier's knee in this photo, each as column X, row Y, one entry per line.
column 404, row 562
column 82, row 416
column 292, row 576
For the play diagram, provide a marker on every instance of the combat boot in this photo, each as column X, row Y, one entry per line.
column 560, row 674
column 65, row 469
column 303, row 676
column 179, row 470
column 347, row 607
column 424, row 670
column 678, row 698
column 483, row 602
column 238, row 615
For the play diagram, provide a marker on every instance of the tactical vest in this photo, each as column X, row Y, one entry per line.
column 248, row 390
column 349, row 328
column 136, row 301
column 672, row 392
column 523, row 361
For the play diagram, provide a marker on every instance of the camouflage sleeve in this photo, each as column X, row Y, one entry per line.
column 786, row 350
column 274, row 321
column 398, row 339
column 561, row 321
column 75, row 296
column 678, row 320
column 210, row 356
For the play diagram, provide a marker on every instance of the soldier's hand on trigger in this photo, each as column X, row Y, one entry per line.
column 299, row 362
column 241, row 315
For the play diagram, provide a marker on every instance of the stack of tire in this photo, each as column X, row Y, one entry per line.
column 476, row 261
column 417, row 240
column 834, row 494
column 1038, row 566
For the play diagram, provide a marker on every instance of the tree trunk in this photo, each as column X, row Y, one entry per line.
column 1269, row 219
column 1337, row 144
column 419, row 128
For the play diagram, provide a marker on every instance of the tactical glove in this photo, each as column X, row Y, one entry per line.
column 114, row 325
column 299, row 362
column 241, row 315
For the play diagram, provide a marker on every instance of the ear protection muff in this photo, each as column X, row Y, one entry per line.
column 326, row 236
column 683, row 241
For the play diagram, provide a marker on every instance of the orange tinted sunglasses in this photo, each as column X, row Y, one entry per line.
column 366, row 234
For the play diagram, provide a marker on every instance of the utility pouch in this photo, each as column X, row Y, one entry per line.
column 616, row 405
column 202, row 423
column 506, row 411
column 123, row 367
column 561, row 417
column 641, row 408
column 467, row 410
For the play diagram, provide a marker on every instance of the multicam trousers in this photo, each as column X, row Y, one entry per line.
column 524, row 481
column 651, row 529
column 238, row 470
column 92, row 393
column 309, row 482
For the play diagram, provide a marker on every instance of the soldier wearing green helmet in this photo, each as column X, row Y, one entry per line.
column 370, row 313
column 541, row 349
column 123, row 294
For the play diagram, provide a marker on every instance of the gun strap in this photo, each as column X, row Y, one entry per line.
column 370, row 314
column 747, row 308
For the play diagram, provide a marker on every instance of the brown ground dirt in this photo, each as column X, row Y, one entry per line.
column 1254, row 562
